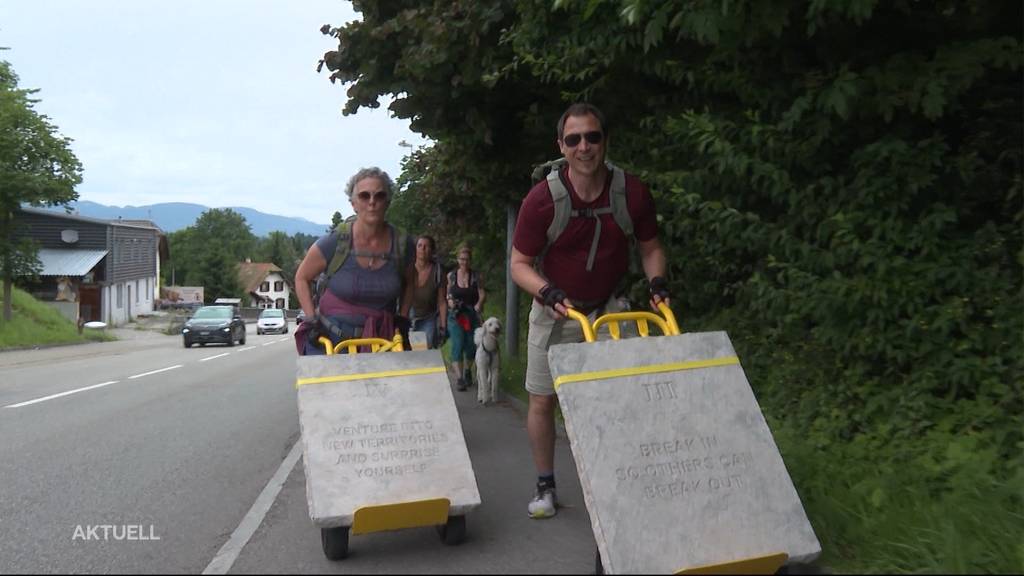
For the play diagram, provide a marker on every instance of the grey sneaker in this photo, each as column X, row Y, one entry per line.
column 461, row 385
column 544, row 503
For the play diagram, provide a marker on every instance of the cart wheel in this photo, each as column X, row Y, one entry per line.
column 335, row 542
column 454, row 532
column 598, row 566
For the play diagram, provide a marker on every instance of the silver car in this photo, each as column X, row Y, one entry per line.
column 272, row 321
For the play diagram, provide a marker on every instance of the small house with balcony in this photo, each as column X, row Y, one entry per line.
column 93, row 269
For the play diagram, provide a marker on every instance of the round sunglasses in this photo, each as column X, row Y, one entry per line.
column 379, row 196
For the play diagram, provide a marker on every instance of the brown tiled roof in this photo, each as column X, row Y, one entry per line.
column 252, row 274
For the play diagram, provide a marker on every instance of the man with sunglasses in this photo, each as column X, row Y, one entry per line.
column 580, row 269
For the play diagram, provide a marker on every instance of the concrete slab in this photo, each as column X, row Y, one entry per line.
column 378, row 438
column 501, row 538
column 678, row 467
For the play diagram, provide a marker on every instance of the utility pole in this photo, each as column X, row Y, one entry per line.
column 511, row 290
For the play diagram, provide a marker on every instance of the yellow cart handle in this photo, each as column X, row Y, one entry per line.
column 668, row 324
column 353, row 344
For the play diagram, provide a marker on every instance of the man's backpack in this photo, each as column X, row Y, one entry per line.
column 563, row 207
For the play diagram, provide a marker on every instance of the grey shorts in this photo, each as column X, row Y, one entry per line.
column 545, row 332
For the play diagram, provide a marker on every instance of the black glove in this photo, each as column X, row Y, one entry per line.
column 314, row 331
column 552, row 295
column 659, row 287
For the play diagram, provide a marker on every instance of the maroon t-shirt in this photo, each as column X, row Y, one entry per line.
column 565, row 264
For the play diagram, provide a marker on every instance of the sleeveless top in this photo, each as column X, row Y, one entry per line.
column 424, row 298
column 470, row 295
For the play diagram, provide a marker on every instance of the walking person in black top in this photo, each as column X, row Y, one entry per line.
column 429, row 312
column 465, row 302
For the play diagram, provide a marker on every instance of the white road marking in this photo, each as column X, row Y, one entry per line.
column 244, row 349
column 269, row 343
column 285, row 339
column 155, row 371
column 217, row 356
column 229, row 552
column 69, row 392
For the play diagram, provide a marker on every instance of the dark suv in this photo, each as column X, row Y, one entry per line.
column 214, row 324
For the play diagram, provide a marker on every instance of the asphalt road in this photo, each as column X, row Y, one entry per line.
column 170, row 448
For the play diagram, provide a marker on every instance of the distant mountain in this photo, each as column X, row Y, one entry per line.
column 173, row 216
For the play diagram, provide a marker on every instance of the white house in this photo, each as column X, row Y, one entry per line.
column 264, row 285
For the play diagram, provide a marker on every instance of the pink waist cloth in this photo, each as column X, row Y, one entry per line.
column 378, row 324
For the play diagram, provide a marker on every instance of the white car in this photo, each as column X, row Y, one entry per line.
column 272, row 320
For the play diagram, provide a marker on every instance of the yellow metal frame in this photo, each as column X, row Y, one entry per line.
column 353, row 344
column 376, row 345
column 769, row 564
column 667, row 322
column 399, row 516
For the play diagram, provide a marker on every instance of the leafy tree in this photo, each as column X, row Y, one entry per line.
column 37, row 167
column 301, row 243
column 336, row 219
column 227, row 229
column 278, row 248
column 439, row 62
column 850, row 210
column 217, row 272
column 218, row 236
column 183, row 251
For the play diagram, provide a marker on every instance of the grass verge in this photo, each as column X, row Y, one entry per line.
column 33, row 323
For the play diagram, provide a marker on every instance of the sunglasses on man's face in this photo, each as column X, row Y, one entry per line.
column 379, row 196
column 573, row 140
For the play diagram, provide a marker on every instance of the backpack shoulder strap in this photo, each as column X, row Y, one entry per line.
column 562, row 205
column 344, row 231
column 620, row 210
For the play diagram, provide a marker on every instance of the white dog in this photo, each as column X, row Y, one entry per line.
column 488, row 360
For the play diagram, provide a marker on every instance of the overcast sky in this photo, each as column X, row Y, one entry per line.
column 215, row 102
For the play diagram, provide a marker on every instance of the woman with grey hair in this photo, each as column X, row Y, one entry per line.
column 369, row 271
